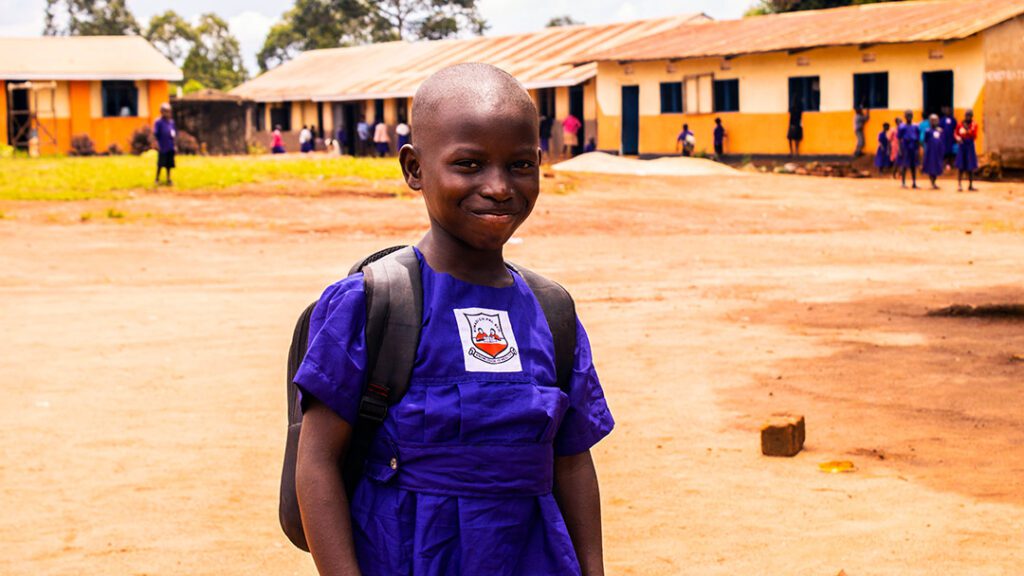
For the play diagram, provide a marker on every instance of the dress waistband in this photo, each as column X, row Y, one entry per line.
column 463, row 469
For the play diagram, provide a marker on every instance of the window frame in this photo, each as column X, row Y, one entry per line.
column 715, row 89
column 871, row 89
column 807, row 107
column 673, row 103
column 116, row 94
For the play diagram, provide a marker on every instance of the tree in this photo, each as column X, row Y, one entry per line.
column 172, row 35
column 88, row 18
column 565, row 20
column 313, row 24
column 779, row 6
column 215, row 59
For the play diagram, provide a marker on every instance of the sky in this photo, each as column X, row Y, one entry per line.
column 249, row 20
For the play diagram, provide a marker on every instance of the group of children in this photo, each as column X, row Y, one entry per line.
column 944, row 142
column 686, row 141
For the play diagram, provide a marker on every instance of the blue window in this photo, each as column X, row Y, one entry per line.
column 120, row 98
column 805, row 91
column 671, row 97
column 727, row 95
column 871, row 90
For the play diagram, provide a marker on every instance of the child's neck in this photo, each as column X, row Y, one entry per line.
column 447, row 254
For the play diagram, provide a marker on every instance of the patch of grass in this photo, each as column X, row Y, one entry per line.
column 110, row 177
column 85, row 216
column 114, row 214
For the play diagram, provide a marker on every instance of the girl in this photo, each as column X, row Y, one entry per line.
column 966, row 156
column 894, row 147
column 883, row 160
column 934, row 151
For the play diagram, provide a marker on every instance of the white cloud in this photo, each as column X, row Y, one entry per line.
column 251, row 27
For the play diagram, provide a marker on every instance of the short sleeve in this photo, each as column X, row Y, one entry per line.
column 587, row 419
column 335, row 363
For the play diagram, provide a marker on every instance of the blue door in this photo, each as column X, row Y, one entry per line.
column 630, row 120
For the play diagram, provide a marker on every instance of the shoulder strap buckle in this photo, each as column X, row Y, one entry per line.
column 373, row 406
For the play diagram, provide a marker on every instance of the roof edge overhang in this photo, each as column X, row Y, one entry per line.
column 731, row 55
column 90, row 76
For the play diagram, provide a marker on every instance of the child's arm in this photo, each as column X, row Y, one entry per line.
column 323, row 444
column 579, row 499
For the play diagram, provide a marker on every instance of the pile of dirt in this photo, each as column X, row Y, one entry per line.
column 602, row 163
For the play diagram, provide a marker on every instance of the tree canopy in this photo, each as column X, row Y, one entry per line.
column 779, row 6
column 313, row 24
column 88, row 18
column 565, row 20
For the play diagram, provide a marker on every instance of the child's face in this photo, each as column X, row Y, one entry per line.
column 478, row 168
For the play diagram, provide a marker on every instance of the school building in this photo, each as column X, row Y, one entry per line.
column 55, row 88
column 918, row 55
column 336, row 88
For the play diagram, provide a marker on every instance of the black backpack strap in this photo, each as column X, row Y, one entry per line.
column 288, row 504
column 560, row 312
column 394, row 314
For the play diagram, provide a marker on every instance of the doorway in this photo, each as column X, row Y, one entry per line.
column 630, row 120
column 351, row 113
column 19, row 115
column 576, row 109
column 938, row 91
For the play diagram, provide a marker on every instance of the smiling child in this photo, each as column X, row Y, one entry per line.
column 503, row 482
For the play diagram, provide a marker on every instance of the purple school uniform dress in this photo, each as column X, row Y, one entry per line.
column 882, row 155
column 909, row 135
column 459, row 478
column 934, row 152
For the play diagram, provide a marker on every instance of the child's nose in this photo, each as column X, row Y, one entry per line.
column 497, row 188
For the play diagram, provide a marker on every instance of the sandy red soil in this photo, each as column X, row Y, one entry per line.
column 143, row 371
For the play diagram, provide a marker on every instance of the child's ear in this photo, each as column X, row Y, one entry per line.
column 409, row 158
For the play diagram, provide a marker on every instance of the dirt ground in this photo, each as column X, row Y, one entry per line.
column 144, row 357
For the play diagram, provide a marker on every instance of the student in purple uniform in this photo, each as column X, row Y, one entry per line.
column 948, row 124
column 883, row 160
column 966, row 154
column 934, row 151
column 909, row 146
column 503, row 481
column 719, row 140
column 686, row 141
column 164, row 132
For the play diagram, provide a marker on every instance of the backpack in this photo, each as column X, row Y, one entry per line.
column 394, row 312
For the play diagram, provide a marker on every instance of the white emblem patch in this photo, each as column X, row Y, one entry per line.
column 488, row 343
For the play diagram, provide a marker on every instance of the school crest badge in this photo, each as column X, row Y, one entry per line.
column 488, row 342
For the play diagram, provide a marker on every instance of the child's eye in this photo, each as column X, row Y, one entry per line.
column 523, row 165
column 468, row 164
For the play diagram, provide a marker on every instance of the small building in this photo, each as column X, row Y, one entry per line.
column 336, row 88
column 921, row 55
column 55, row 88
column 217, row 120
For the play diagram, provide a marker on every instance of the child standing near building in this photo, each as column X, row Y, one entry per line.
column 882, row 156
column 894, row 146
column 719, row 140
column 483, row 467
column 966, row 154
column 934, row 151
column 165, row 133
column 686, row 141
column 909, row 145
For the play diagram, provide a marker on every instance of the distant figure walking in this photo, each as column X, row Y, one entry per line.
column 883, row 156
column 570, row 130
column 934, row 151
column 947, row 121
column 277, row 142
column 686, row 141
column 910, row 143
column 860, row 118
column 341, row 137
column 165, row 133
column 966, row 154
column 364, row 135
column 795, row 132
column 894, row 147
column 381, row 139
column 402, row 131
column 305, row 140
column 545, row 133
column 720, row 137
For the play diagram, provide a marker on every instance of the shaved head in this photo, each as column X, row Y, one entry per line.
column 472, row 86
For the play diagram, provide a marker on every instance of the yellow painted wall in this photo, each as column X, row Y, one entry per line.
column 760, row 125
column 3, row 113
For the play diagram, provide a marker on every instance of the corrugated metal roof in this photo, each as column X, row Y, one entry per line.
column 865, row 24
column 396, row 69
column 84, row 58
